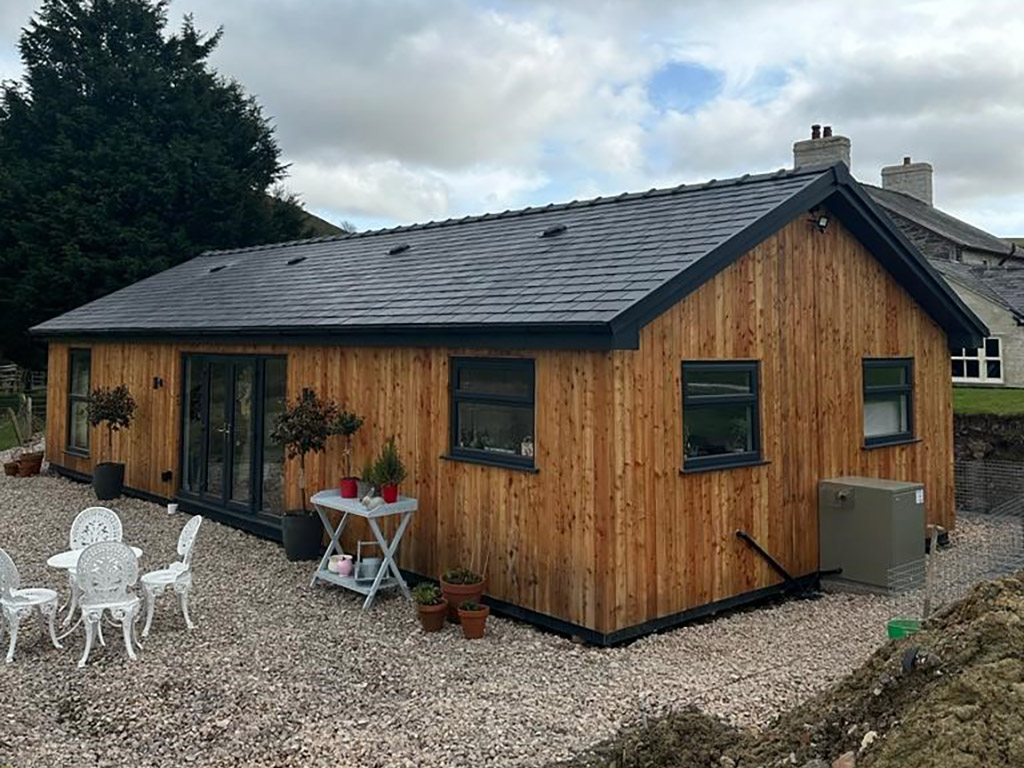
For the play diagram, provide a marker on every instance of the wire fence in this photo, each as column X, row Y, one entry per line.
column 987, row 542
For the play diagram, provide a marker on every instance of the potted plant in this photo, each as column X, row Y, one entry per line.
column 114, row 408
column 389, row 471
column 346, row 426
column 458, row 585
column 303, row 427
column 473, row 617
column 431, row 605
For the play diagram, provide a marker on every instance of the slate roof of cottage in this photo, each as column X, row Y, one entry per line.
column 617, row 263
column 1008, row 284
column 944, row 225
column 981, row 280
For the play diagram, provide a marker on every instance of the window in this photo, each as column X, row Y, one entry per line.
column 888, row 401
column 78, row 401
column 721, row 420
column 980, row 364
column 492, row 410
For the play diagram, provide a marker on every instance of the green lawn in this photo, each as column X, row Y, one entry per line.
column 1002, row 402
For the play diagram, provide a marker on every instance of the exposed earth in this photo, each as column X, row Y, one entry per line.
column 950, row 696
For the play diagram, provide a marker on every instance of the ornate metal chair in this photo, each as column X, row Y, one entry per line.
column 91, row 526
column 107, row 571
column 17, row 604
column 177, row 575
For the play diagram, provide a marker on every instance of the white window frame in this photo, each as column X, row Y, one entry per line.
column 980, row 355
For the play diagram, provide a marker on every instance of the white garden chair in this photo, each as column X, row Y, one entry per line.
column 107, row 571
column 91, row 526
column 17, row 604
column 177, row 575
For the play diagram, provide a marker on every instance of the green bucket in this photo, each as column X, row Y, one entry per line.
column 902, row 627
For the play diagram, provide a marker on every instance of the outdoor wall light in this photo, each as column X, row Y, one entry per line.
column 157, row 382
column 821, row 223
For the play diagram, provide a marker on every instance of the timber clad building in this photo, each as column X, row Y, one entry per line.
column 591, row 398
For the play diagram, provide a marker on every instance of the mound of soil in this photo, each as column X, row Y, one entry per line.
column 951, row 695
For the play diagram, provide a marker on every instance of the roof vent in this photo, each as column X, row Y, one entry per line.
column 296, row 260
column 396, row 249
column 219, row 267
column 554, row 229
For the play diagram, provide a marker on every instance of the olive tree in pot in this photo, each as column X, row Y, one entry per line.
column 115, row 409
column 302, row 428
column 346, row 426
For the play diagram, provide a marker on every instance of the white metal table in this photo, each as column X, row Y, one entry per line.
column 332, row 500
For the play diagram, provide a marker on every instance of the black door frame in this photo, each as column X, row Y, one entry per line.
column 246, row 515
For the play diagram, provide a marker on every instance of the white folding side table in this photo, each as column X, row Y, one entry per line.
column 332, row 500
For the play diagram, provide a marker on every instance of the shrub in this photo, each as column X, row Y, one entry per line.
column 461, row 575
column 113, row 407
column 389, row 469
column 471, row 605
column 304, row 427
column 427, row 594
column 346, row 425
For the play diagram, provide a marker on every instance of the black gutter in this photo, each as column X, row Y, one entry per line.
column 591, row 336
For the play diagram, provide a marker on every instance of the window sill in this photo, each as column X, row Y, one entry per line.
column 717, row 467
column 491, row 463
column 887, row 442
column 75, row 452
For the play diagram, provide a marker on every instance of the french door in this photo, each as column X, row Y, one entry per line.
column 229, row 407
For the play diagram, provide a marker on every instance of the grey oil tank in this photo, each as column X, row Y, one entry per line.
column 872, row 529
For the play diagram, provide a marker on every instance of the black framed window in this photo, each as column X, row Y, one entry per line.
column 721, row 414
column 79, row 374
column 888, row 401
column 492, row 410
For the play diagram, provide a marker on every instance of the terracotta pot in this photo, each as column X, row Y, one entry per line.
column 457, row 594
column 349, row 488
column 11, row 468
column 389, row 493
column 473, row 622
column 29, row 464
column 432, row 616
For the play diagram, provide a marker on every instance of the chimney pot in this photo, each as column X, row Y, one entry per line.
column 906, row 160
column 821, row 150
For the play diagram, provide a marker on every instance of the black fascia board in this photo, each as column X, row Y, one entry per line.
column 656, row 303
column 582, row 336
column 905, row 263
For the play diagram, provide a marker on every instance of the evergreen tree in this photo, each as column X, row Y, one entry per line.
column 123, row 153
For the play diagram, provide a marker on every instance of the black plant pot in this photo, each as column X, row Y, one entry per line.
column 301, row 535
column 108, row 480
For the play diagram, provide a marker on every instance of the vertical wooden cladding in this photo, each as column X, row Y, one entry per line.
column 608, row 533
column 810, row 306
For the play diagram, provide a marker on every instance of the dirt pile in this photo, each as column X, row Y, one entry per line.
column 952, row 695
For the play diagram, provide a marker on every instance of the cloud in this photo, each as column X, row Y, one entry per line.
column 412, row 109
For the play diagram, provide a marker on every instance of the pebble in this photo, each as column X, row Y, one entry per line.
column 281, row 673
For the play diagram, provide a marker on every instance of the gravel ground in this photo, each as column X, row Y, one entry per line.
column 280, row 674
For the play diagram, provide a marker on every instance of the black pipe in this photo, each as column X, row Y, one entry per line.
column 775, row 564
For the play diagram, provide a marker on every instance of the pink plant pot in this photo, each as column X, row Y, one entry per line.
column 345, row 566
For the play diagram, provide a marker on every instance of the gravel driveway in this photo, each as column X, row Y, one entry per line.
column 280, row 674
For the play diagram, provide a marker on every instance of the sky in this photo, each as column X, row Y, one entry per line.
column 398, row 111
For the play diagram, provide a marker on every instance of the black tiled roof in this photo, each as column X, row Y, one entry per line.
column 1007, row 283
column 618, row 263
column 981, row 280
column 944, row 225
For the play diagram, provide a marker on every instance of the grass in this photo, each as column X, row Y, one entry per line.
column 1000, row 402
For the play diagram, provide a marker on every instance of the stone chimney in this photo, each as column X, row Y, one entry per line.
column 914, row 179
column 821, row 148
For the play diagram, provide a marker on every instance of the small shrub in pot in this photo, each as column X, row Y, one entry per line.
column 347, row 425
column 389, row 471
column 473, row 617
column 431, row 606
column 460, row 584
